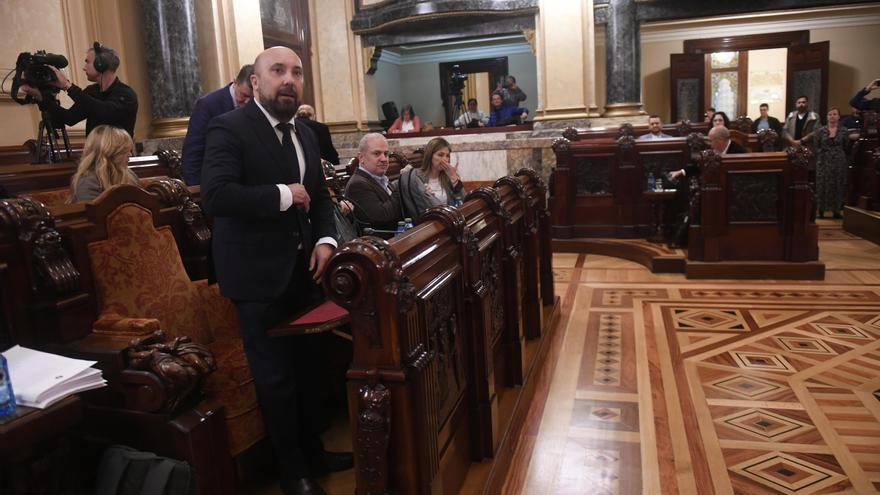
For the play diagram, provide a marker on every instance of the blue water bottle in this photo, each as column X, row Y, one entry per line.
column 651, row 183
column 7, row 397
column 407, row 223
column 400, row 228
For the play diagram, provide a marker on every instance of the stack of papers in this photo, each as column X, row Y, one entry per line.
column 40, row 379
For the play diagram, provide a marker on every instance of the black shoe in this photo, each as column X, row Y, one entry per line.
column 821, row 214
column 837, row 215
column 332, row 462
column 302, row 486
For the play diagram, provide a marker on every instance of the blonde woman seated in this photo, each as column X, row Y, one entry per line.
column 104, row 163
column 436, row 182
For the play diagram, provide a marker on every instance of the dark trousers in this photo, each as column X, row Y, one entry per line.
column 283, row 369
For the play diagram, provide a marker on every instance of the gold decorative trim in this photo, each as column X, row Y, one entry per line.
column 169, row 127
column 530, row 37
column 371, row 59
column 444, row 15
column 624, row 109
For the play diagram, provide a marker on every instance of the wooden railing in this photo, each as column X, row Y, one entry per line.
column 754, row 207
column 440, row 318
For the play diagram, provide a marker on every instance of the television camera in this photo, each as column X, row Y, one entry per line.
column 33, row 69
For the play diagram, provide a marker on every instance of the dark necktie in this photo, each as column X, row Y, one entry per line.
column 288, row 150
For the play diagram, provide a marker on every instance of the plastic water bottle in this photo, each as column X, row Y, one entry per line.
column 401, row 227
column 7, row 397
column 659, row 184
column 651, row 182
column 407, row 223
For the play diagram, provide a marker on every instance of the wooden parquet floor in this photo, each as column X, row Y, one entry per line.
column 664, row 385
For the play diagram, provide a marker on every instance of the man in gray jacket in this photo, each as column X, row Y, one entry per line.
column 800, row 123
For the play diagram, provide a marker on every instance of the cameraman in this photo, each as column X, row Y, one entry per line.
column 108, row 101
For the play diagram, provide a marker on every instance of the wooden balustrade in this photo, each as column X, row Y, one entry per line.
column 754, row 207
column 597, row 185
column 445, row 331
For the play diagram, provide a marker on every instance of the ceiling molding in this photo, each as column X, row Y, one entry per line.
column 456, row 54
column 649, row 35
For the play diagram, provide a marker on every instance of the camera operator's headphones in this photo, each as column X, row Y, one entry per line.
column 101, row 63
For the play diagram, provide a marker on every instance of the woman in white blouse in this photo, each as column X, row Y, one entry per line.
column 407, row 122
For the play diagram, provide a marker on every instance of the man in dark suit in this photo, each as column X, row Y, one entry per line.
column 765, row 121
column 720, row 142
column 328, row 152
column 273, row 235
column 226, row 99
column 376, row 202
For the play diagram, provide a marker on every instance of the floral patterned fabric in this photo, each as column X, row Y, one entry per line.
column 139, row 275
column 113, row 324
column 50, row 197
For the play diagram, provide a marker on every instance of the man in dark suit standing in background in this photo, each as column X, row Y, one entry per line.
column 273, row 235
column 226, row 99
column 328, row 152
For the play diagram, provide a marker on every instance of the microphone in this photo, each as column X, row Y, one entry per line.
column 41, row 57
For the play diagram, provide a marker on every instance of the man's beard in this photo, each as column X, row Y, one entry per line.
column 283, row 110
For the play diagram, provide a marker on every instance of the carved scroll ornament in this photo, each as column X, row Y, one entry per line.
column 768, row 139
column 180, row 364
column 560, row 145
column 372, row 437
column 34, row 226
column 173, row 161
column 173, row 193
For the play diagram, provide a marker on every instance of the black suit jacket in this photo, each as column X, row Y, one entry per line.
column 372, row 205
column 254, row 244
column 207, row 107
column 694, row 169
column 328, row 152
column 772, row 121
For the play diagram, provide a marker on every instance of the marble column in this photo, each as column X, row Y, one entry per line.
column 623, row 60
column 565, row 53
column 171, row 47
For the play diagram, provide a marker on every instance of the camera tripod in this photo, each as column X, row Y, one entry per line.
column 47, row 137
column 458, row 107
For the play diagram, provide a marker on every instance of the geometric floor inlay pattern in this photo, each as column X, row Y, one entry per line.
column 674, row 386
column 709, row 319
column 788, row 473
column 765, row 425
column 762, row 361
column 745, row 386
column 607, row 370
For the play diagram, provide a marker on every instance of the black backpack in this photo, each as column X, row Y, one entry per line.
column 126, row 471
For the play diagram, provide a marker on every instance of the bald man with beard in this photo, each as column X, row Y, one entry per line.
column 273, row 234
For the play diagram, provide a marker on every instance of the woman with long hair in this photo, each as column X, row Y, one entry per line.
column 407, row 122
column 720, row 119
column 435, row 182
column 104, row 163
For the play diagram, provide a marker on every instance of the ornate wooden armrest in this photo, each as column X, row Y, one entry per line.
column 180, row 364
column 151, row 373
